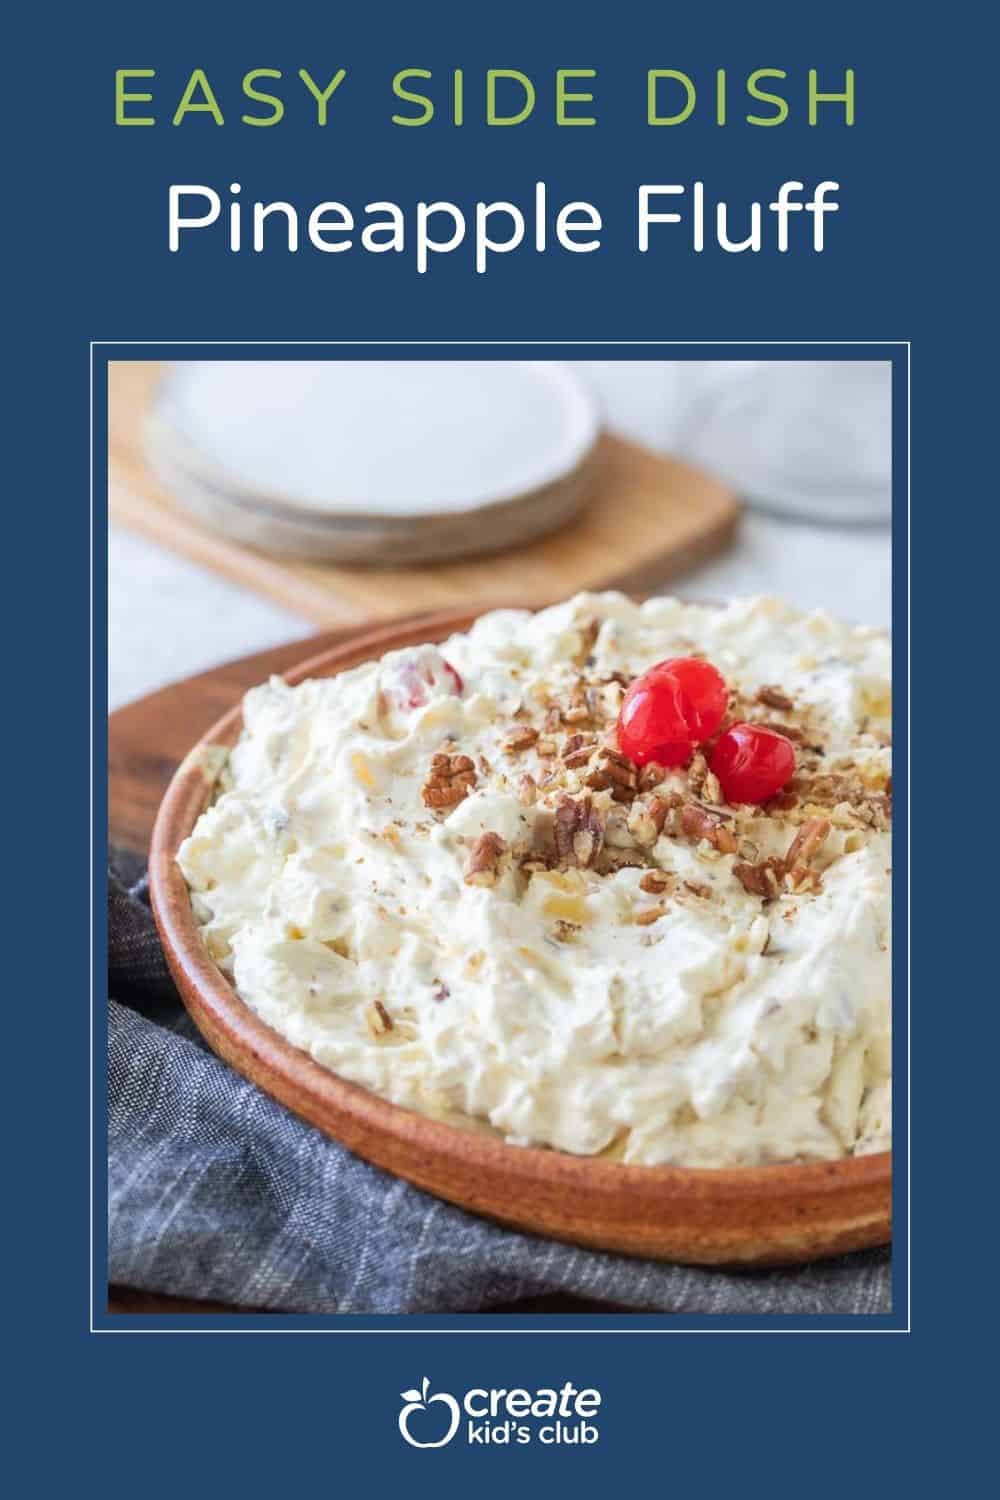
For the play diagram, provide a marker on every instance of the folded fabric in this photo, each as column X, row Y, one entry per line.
column 216, row 1192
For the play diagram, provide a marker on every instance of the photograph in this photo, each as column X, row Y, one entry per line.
column 500, row 814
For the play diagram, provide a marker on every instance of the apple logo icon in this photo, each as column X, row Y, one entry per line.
column 418, row 1401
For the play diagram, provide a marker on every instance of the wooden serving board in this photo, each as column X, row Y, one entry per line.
column 650, row 517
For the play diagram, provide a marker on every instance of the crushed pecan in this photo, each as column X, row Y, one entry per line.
column 766, row 877
column 527, row 790
column 520, row 739
column 646, row 819
column 657, row 882
column 790, row 731
column 577, row 750
column 807, row 842
column 836, row 789
column 616, row 829
column 763, row 879
column 614, row 772
column 450, row 779
column 604, row 699
column 697, row 771
column 589, row 631
column 699, row 822
column 651, row 775
column 650, row 915
column 711, row 790
column 698, row 889
column 577, row 709
column 483, row 865
column 613, row 860
column 773, row 697
column 879, row 811
column 379, row 1021
column 578, row 832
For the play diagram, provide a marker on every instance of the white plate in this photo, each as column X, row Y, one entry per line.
column 334, row 440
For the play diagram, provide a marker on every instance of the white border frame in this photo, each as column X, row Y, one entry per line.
column 481, row 1327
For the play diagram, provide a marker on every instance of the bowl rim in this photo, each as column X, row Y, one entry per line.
column 215, row 1005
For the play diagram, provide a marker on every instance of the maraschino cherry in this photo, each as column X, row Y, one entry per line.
column 752, row 762
column 416, row 680
column 669, row 710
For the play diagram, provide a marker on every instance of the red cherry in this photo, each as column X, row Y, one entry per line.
column 459, row 686
column 752, row 763
column 670, row 709
column 414, row 679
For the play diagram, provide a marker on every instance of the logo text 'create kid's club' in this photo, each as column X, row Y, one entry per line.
column 500, row 1416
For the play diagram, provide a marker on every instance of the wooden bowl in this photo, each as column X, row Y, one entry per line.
column 745, row 1215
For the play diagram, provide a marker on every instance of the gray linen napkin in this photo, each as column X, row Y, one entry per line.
column 217, row 1192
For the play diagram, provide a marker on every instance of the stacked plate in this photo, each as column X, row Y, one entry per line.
column 388, row 462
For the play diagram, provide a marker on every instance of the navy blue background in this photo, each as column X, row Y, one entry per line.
column 87, row 235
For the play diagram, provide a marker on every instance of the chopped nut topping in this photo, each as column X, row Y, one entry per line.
column 576, row 712
column 711, row 790
column 589, row 631
column 809, row 839
column 450, row 780
column 546, row 748
column 697, row 771
column 578, row 832
column 527, row 790
column 604, row 699
column 762, row 879
column 614, row 772
column 521, row 739
column 564, row 931
column 765, row 879
column 773, row 697
column 577, row 750
column 702, row 823
column 484, row 859
column 646, row 819
column 378, row 1019
column 651, row 775
column 790, row 731
column 698, row 889
column 839, row 791
column 657, row 882
column 650, row 915
column 616, row 829
column 880, row 810
column 613, row 860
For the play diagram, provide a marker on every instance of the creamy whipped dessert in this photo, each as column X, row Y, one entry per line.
column 440, row 875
